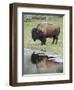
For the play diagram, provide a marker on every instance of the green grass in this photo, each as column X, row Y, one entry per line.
column 29, row 43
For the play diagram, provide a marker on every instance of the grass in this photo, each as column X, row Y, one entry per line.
column 29, row 43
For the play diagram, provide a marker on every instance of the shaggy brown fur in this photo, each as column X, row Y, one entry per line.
column 48, row 29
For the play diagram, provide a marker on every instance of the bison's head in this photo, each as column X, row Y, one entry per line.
column 34, row 58
column 38, row 57
column 38, row 34
column 34, row 34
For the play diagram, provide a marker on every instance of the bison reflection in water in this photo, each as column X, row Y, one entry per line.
column 46, row 64
column 45, row 30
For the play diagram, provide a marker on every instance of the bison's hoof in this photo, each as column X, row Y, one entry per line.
column 52, row 42
column 43, row 43
column 55, row 43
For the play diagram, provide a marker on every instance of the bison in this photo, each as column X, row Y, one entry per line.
column 46, row 30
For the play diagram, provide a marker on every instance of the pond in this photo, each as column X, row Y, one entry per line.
column 29, row 68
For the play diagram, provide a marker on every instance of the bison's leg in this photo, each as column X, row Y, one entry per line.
column 53, row 40
column 43, row 43
column 56, row 39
